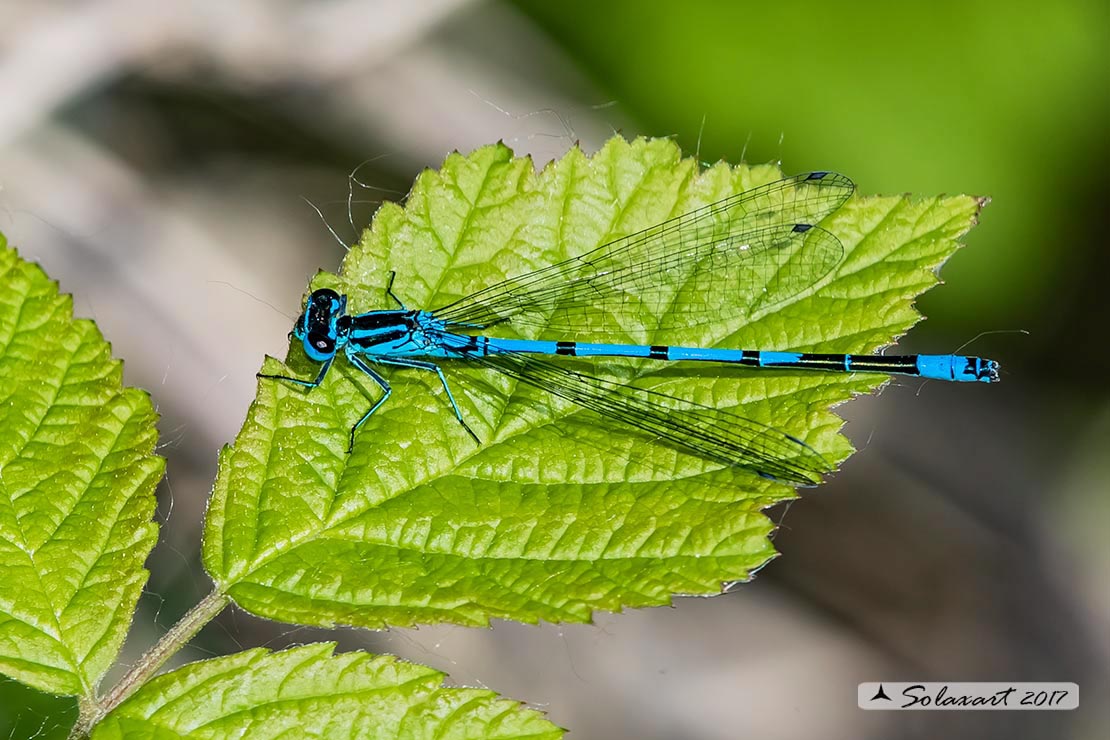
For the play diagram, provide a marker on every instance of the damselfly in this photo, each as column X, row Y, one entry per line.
column 728, row 261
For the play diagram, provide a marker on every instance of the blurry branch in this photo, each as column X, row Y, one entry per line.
column 66, row 49
column 63, row 49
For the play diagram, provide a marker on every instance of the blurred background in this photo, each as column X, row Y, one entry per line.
column 159, row 160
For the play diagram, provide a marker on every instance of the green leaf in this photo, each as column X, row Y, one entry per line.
column 558, row 513
column 77, row 482
column 309, row 692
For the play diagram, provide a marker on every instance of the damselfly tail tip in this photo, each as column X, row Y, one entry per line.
column 989, row 370
column 976, row 368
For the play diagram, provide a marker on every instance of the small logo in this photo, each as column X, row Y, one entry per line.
column 939, row 695
column 880, row 694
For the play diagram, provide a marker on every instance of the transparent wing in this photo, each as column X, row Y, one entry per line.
column 722, row 261
column 705, row 431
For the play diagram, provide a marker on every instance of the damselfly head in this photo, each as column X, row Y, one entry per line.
column 317, row 328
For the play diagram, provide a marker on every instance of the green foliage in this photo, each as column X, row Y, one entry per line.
column 555, row 515
column 77, row 478
column 308, row 692
column 935, row 99
column 27, row 713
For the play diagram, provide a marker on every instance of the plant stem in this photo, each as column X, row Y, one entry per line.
column 143, row 670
